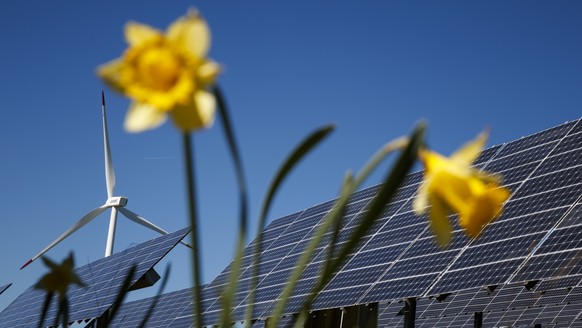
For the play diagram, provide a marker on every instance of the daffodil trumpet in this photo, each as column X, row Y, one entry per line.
column 452, row 186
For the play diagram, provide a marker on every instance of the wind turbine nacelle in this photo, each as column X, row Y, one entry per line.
column 116, row 201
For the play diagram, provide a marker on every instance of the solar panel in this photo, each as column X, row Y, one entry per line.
column 168, row 307
column 535, row 244
column 103, row 278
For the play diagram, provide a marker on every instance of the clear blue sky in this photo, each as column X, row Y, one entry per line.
column 372, row 67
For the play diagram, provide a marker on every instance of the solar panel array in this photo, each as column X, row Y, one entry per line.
column 103, row 279
column 536, row 242
column 524, row 269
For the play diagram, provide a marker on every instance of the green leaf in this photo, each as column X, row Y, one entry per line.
column 303, row 148
column 45, row 306
column 388, row 189
column 232, row 146
column 228, row 294
column 123, row 290
column 193, row 218
column 156, row 298
column 331, row 219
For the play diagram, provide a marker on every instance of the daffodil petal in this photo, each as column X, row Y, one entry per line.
column 192, row 33
column 454, row 189
column 206, row 105
column 439, row 221
column 111, row 73
column 69, row 262
column 489, row 178
column 52, row 265
column 136, row 33
column 486, row 208
column 421, row 200
column 59, row 278
column 141, row 117
column 469, row 152
column 199, row 114
column 208, row 71
column 434, row 161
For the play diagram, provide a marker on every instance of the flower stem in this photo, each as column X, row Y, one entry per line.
column 192, row 215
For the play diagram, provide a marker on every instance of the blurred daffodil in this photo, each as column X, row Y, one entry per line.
column 451, row 185
column 166, row 74
column 59, row 278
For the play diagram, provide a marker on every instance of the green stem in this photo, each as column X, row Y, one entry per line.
column 383, row 197
column 192, row 215
column 329, row 221
column 228, row 295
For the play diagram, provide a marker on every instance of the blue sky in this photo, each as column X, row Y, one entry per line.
column 374, row 68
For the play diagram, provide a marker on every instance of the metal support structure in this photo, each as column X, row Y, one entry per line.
column 478, row 320
column 409, row 312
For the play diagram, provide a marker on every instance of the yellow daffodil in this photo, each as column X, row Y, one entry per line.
column 451, row 185
column 59, row 278
column 166, row 73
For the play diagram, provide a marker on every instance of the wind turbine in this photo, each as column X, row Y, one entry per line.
column 115, row 203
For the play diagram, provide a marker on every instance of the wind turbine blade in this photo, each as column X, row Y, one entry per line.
column 138, row 219
column 83, row 221
column 109, row 172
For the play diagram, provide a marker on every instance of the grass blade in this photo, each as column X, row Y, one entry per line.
column 390, row 186
column 156, row 298
column 350, row 185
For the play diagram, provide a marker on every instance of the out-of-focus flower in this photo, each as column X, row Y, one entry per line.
column 59, row 278
column 451, row 185
column 166, row 73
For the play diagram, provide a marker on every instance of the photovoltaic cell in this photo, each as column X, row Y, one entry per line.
column 565, row 282
column 573, row 217
column 551, row 265
column 562, row 239
column 398, row 288
column 481, row 298
column 388, row 314
column 506, row 227
column 549, row 200
column 458, row 302
column 486, row 156
column 131, row 314
column 103, row 278
column 540, row 138
column 479, row 254
column 337, row 297
column 489, row 274
column 462, row 320
column 515, row 160
column 504, row 297
column 524, row 298
column 552, row 181
column 375, row 256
